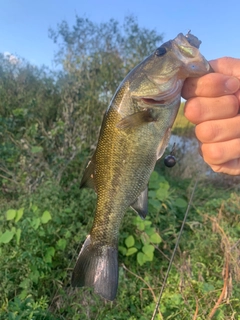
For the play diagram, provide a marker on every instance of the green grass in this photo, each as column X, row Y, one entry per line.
column 181, row 125
column 36, row 262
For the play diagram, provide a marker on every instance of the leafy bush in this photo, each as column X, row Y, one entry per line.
column 54, row 222
column 49, row 124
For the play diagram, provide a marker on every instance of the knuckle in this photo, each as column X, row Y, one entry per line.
column 192, row 110
column 207, row 131
column 233, row 105
column 213, row 153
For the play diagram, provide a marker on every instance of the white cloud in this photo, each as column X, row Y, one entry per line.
column 12, row 59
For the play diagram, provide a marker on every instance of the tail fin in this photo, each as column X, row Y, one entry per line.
column 97, row 267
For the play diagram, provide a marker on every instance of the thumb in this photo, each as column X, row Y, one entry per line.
column 227, row 66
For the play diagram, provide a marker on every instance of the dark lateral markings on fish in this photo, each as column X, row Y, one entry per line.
column 134, row 134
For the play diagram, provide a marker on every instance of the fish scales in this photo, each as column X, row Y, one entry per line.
column 134, row 134
column 127, row 157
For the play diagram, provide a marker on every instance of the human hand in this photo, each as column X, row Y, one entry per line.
column 213, row 103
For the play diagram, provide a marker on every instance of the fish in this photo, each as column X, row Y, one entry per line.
column 134, row 134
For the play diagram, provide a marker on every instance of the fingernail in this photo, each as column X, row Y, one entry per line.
column 200, row 149
column 232, row 85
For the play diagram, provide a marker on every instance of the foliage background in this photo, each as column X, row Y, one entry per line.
column 49, row 124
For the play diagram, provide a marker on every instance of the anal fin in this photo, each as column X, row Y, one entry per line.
column 163, row 143
column 140, row 205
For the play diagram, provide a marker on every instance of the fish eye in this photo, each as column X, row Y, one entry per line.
column 160, row 51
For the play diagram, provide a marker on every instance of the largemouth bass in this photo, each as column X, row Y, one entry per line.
column 134, row 134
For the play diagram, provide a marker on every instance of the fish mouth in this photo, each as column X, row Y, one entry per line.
column 166, row 96
column 152, row 101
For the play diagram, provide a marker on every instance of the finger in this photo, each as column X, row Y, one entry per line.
column 221, row 152
column 231, row 167
column 201, row 109
column 237, row 94
column 210, row 85
column 226, row 65
column 218, row 130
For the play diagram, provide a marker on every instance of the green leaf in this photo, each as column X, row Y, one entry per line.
column 36, row 149
column 151, row 194
column 68, row 234
column 140, row 258
column 123, row 250
column 18, row 235
column 144, row 238
column 180, row 203
column 148, row 251
column 10, row 214
column 155, row 203
column 154, row 180
column 139, row 223
column 131, row 251
column 61, row 244
column 49, row 254
column 19, row 214
column 34, row 208
column 150, row 231
column 50, row 251
column 155, row 238
column 23, row 294
column 147, row 223
column 176, row 299
column 208, row 287
column 164, row 185
column 129, row 241
column 154, row 176
column 13, row 230
column 34, row 276
column 18, row 112
column 7, row 236
column 46, row 216
column 148, row 248
column 25, row 283
column 35, row 223
column 162, row 194
column 148, row 256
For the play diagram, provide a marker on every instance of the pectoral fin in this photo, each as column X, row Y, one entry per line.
column 88, row 176
column 141, row 204
column 137, row 119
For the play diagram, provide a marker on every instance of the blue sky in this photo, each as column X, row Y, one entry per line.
column 24, row 24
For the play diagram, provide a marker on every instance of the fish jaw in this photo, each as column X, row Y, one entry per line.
column 194, row 63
